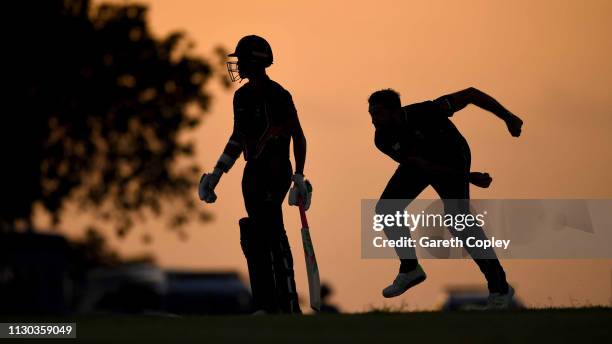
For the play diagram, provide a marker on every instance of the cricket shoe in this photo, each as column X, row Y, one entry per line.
column 405, row 281
column 498, row 301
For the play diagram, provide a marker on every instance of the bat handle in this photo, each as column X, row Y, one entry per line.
column 303, row 214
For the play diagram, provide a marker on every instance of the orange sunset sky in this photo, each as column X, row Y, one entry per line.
column 547, row 61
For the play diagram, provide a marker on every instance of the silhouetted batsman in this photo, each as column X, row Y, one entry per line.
column 431, row 151
column 265, row 121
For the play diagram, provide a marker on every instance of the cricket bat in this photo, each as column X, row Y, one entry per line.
column 312, row 269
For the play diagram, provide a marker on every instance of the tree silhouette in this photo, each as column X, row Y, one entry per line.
column 102, row 122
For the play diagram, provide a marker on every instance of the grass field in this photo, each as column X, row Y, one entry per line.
column 586, row 325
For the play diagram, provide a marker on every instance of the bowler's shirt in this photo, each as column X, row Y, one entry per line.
column 427, row 132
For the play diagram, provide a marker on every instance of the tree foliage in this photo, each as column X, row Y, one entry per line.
column 103, row 120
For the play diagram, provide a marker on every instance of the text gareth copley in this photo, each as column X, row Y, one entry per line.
column 427, row 242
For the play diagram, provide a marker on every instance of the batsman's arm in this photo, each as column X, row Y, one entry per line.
column 299, row 140
column 230, row 154
column 235, row 144
column 299, row 151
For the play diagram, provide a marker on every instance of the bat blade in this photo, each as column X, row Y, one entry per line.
column 312, row 270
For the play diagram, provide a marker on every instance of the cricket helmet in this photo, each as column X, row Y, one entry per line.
column 253, row 50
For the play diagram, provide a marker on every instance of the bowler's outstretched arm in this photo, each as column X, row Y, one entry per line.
column 472, row 95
